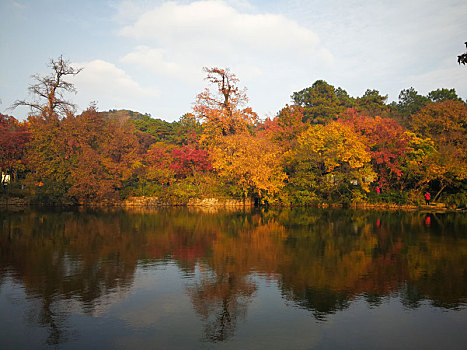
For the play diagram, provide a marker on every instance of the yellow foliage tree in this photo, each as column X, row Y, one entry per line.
column 328, row 156
column 252, row 162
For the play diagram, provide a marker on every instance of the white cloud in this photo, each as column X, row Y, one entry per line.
column 215, row 26
column 103, row 80
column 153, row 59
column 189, row 69
column 101, row 75
column 181, row 38
column 354, row 44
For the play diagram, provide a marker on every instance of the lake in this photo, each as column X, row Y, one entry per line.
column 181, row 278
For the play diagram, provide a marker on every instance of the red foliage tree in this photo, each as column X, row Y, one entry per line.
column 14, row 136
column 386, row 140
column 285, row 127
column 188, row 160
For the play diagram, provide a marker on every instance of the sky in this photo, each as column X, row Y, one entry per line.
column 148, row 55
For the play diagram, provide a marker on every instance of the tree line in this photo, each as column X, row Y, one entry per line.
column 326, row 146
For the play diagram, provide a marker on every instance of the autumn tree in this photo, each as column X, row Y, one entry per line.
column 445, row 123
column 328, row 159
column 81, row 159
column 103, row 154
column 47, row 149
column 166, row 163
column 221, row 111
column 386, row 141
column 189, row 160
column 46, row 155
column 49, row 91
column 253, row 163
column 423, row 164
column 157, row 163
column 411, row 102
column 421, row 150
column 284, row 128
column 14, row 137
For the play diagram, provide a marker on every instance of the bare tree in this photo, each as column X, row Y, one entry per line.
column 48, row 91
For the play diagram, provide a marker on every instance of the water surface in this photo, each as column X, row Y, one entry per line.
column 189, row 279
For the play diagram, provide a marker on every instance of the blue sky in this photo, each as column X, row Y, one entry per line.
column 148, row 55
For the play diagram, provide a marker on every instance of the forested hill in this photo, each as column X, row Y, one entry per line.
column 124, row 114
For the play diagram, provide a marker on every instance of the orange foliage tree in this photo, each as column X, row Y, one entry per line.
column 220, row 111
column 445, row 122
column 83, row 159
column 103, row 153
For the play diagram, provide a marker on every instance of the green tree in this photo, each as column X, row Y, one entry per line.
column 187, row 129
column 372, row 103
column 321, row 102
column 443, row 95
column 345, row 100
column 158, row 129
column 410, row 102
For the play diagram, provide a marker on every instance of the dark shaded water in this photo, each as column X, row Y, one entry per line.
column 187, row 279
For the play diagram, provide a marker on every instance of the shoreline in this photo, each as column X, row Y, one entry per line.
column 226, row 203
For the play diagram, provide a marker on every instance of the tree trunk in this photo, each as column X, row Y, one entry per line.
column 439, row 192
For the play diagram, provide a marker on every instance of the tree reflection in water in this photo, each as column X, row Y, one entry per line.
column 321, row 260
column 63, row 259
column 221, row 300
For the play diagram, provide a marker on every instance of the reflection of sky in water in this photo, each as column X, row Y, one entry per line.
column 156, row 312
column 159, row 311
